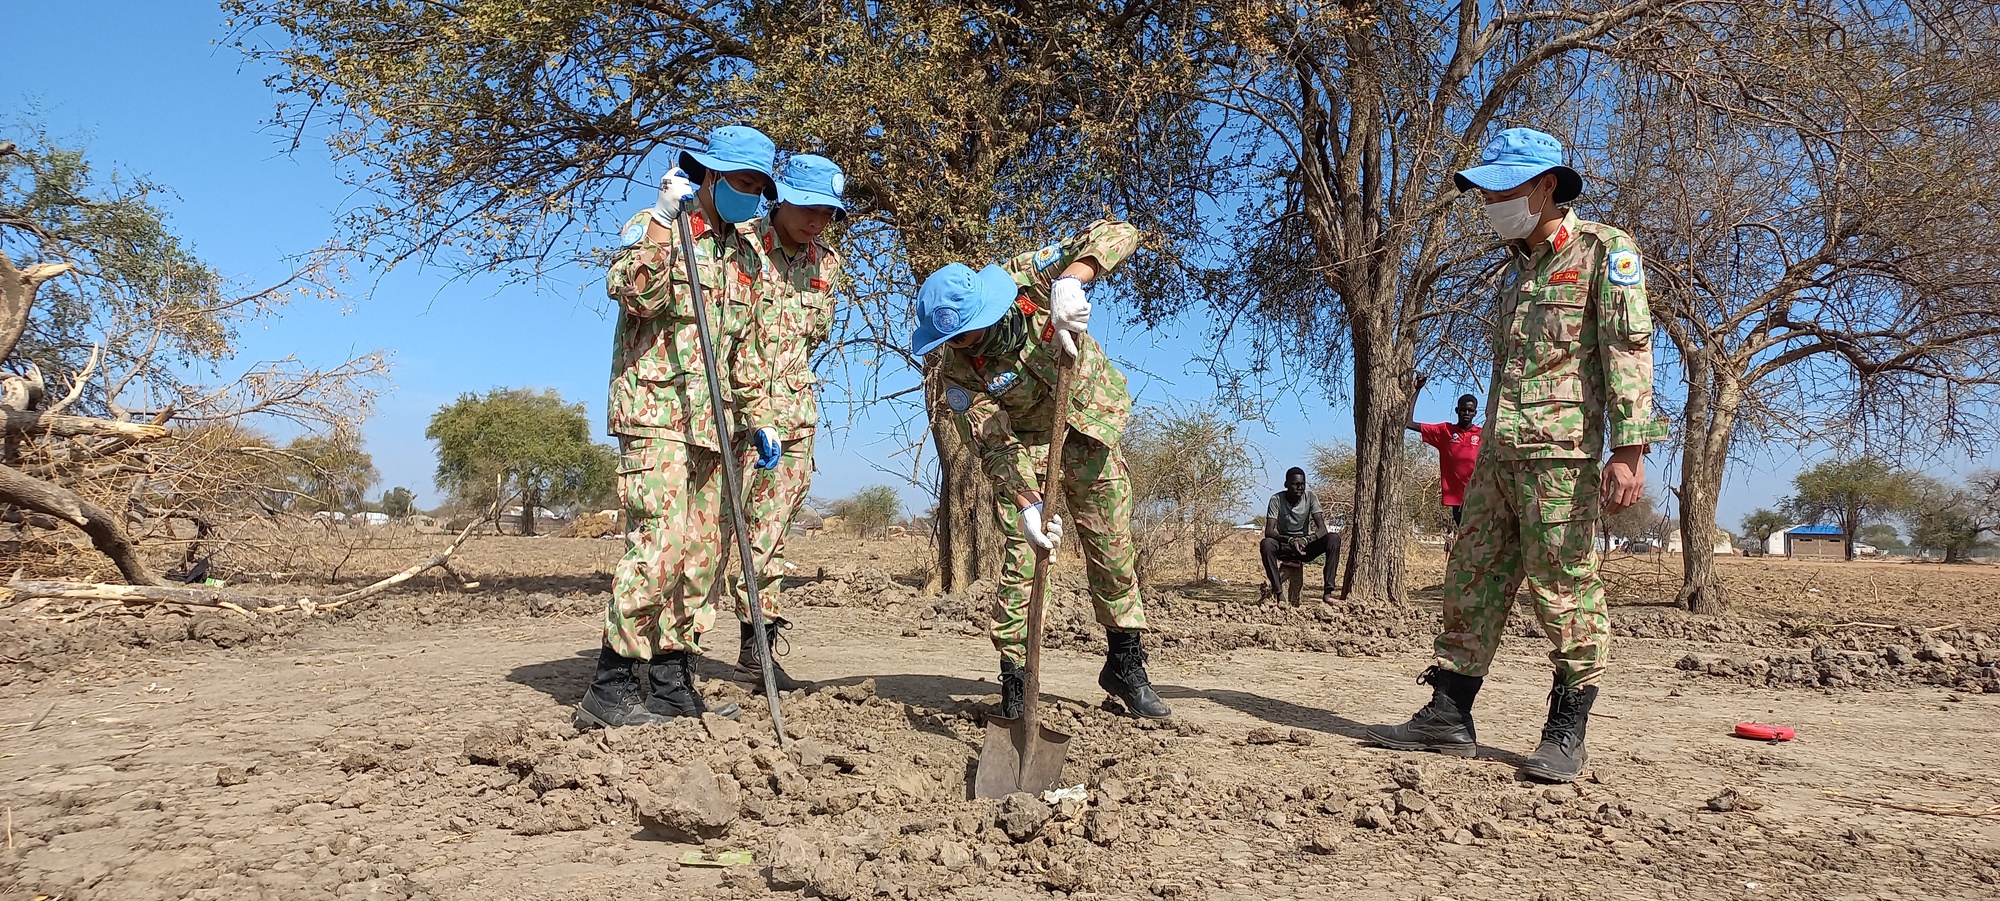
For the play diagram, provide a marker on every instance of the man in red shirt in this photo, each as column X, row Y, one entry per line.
column 1458, row 446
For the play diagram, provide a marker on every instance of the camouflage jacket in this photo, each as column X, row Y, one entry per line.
column 1003, row 402
column 658, row 386
column 1572, row 349
column 796, row 317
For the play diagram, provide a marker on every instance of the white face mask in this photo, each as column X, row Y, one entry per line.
column 1512, row 220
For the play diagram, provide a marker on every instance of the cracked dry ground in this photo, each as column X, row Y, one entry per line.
column 420, row 748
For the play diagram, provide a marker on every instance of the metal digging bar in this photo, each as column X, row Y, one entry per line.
column 731, row 486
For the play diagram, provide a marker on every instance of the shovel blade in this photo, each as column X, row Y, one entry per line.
column 1007, row 763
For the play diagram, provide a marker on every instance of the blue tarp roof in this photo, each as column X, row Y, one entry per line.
column 1816, row 530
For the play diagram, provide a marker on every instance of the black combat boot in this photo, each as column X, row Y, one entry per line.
column 674, row 690
column 1561, row 757
column 751, row 659
column 1013, row 690
column 1444, row 725
column 614, row 698
column 1124, row 676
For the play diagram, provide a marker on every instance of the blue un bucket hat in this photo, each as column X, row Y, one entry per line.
column 813, row 181
column 734, row 148
column 1516, row 156
column 956, row 300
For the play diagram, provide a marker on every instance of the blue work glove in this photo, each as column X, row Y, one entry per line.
column 769, row 448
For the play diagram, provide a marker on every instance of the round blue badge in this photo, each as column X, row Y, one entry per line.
column 946, row 319
column 958, row 399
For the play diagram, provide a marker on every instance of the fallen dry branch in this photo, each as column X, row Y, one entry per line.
column 112, row 596
column 63, row 425
column 1959, row 811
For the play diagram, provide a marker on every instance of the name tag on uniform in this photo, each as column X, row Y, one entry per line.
column 819, row 284
column 1565, row 277
column 744, row 278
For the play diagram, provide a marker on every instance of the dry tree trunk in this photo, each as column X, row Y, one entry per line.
column 968, row 540
column 106, row 534
column 18, row 489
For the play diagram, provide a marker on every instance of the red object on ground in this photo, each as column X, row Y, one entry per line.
column 1456, row 452
column 1765, row 732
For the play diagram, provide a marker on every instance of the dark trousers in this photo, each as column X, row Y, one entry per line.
column 1279, row 550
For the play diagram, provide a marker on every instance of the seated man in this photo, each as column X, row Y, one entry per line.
column 1295, row 532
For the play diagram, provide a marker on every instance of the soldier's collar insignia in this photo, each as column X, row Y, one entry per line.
column 1561, row 237
column 770, row 241
column 1000, row 383
column 1026, row 304
column 696, row 224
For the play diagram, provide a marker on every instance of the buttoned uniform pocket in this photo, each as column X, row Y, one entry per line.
column 639, row 477
column 1555, row 315
column 1552, row 410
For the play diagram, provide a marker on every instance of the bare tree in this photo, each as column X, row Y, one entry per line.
column 1190, row 470
column 1821, row 237
column 1355, row 117
column 102, row 324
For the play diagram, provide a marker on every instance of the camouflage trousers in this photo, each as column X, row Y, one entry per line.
column 771, row 503
column 673, row 512
column 1532, row 523
column 1099, row 520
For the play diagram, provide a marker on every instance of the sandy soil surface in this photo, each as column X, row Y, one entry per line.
column 419, row 747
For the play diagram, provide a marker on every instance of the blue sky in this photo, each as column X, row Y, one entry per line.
column 149, row 87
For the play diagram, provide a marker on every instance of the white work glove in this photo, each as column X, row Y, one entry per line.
column 1042, row 536
column 1070, row 310
column 675, row 192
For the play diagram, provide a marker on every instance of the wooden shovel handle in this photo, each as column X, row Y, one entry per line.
column 1031, row 678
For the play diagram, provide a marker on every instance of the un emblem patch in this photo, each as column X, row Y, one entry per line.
column 1000, row 383
column 1622, row 268
column 946, row 320
column 958, row 399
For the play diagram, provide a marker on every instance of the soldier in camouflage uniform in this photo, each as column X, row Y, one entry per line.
column 1000, row 334
column 1572, row 359
column 669, row 462
column 797, row 316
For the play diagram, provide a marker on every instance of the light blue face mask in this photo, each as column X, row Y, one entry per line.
column 735, row 206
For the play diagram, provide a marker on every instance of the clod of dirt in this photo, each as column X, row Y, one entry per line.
column 1263, row 735
column 1408, row 776
column 695, row 801
column 1021, row 815
column 1731, row 799
column 563, row 810
column 494, row 745
column 1105, row 827
column 1897, row 655
column 1373, row 818
column 1411, row 801
column 1324, row 840
column 1061, row 877
column 796, row 860
column 857, row 693
column 231, row 775
column 1303, row 738
column 1937, row 652
column 1164, row 889
column 721, row 729
column 1487, row 829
